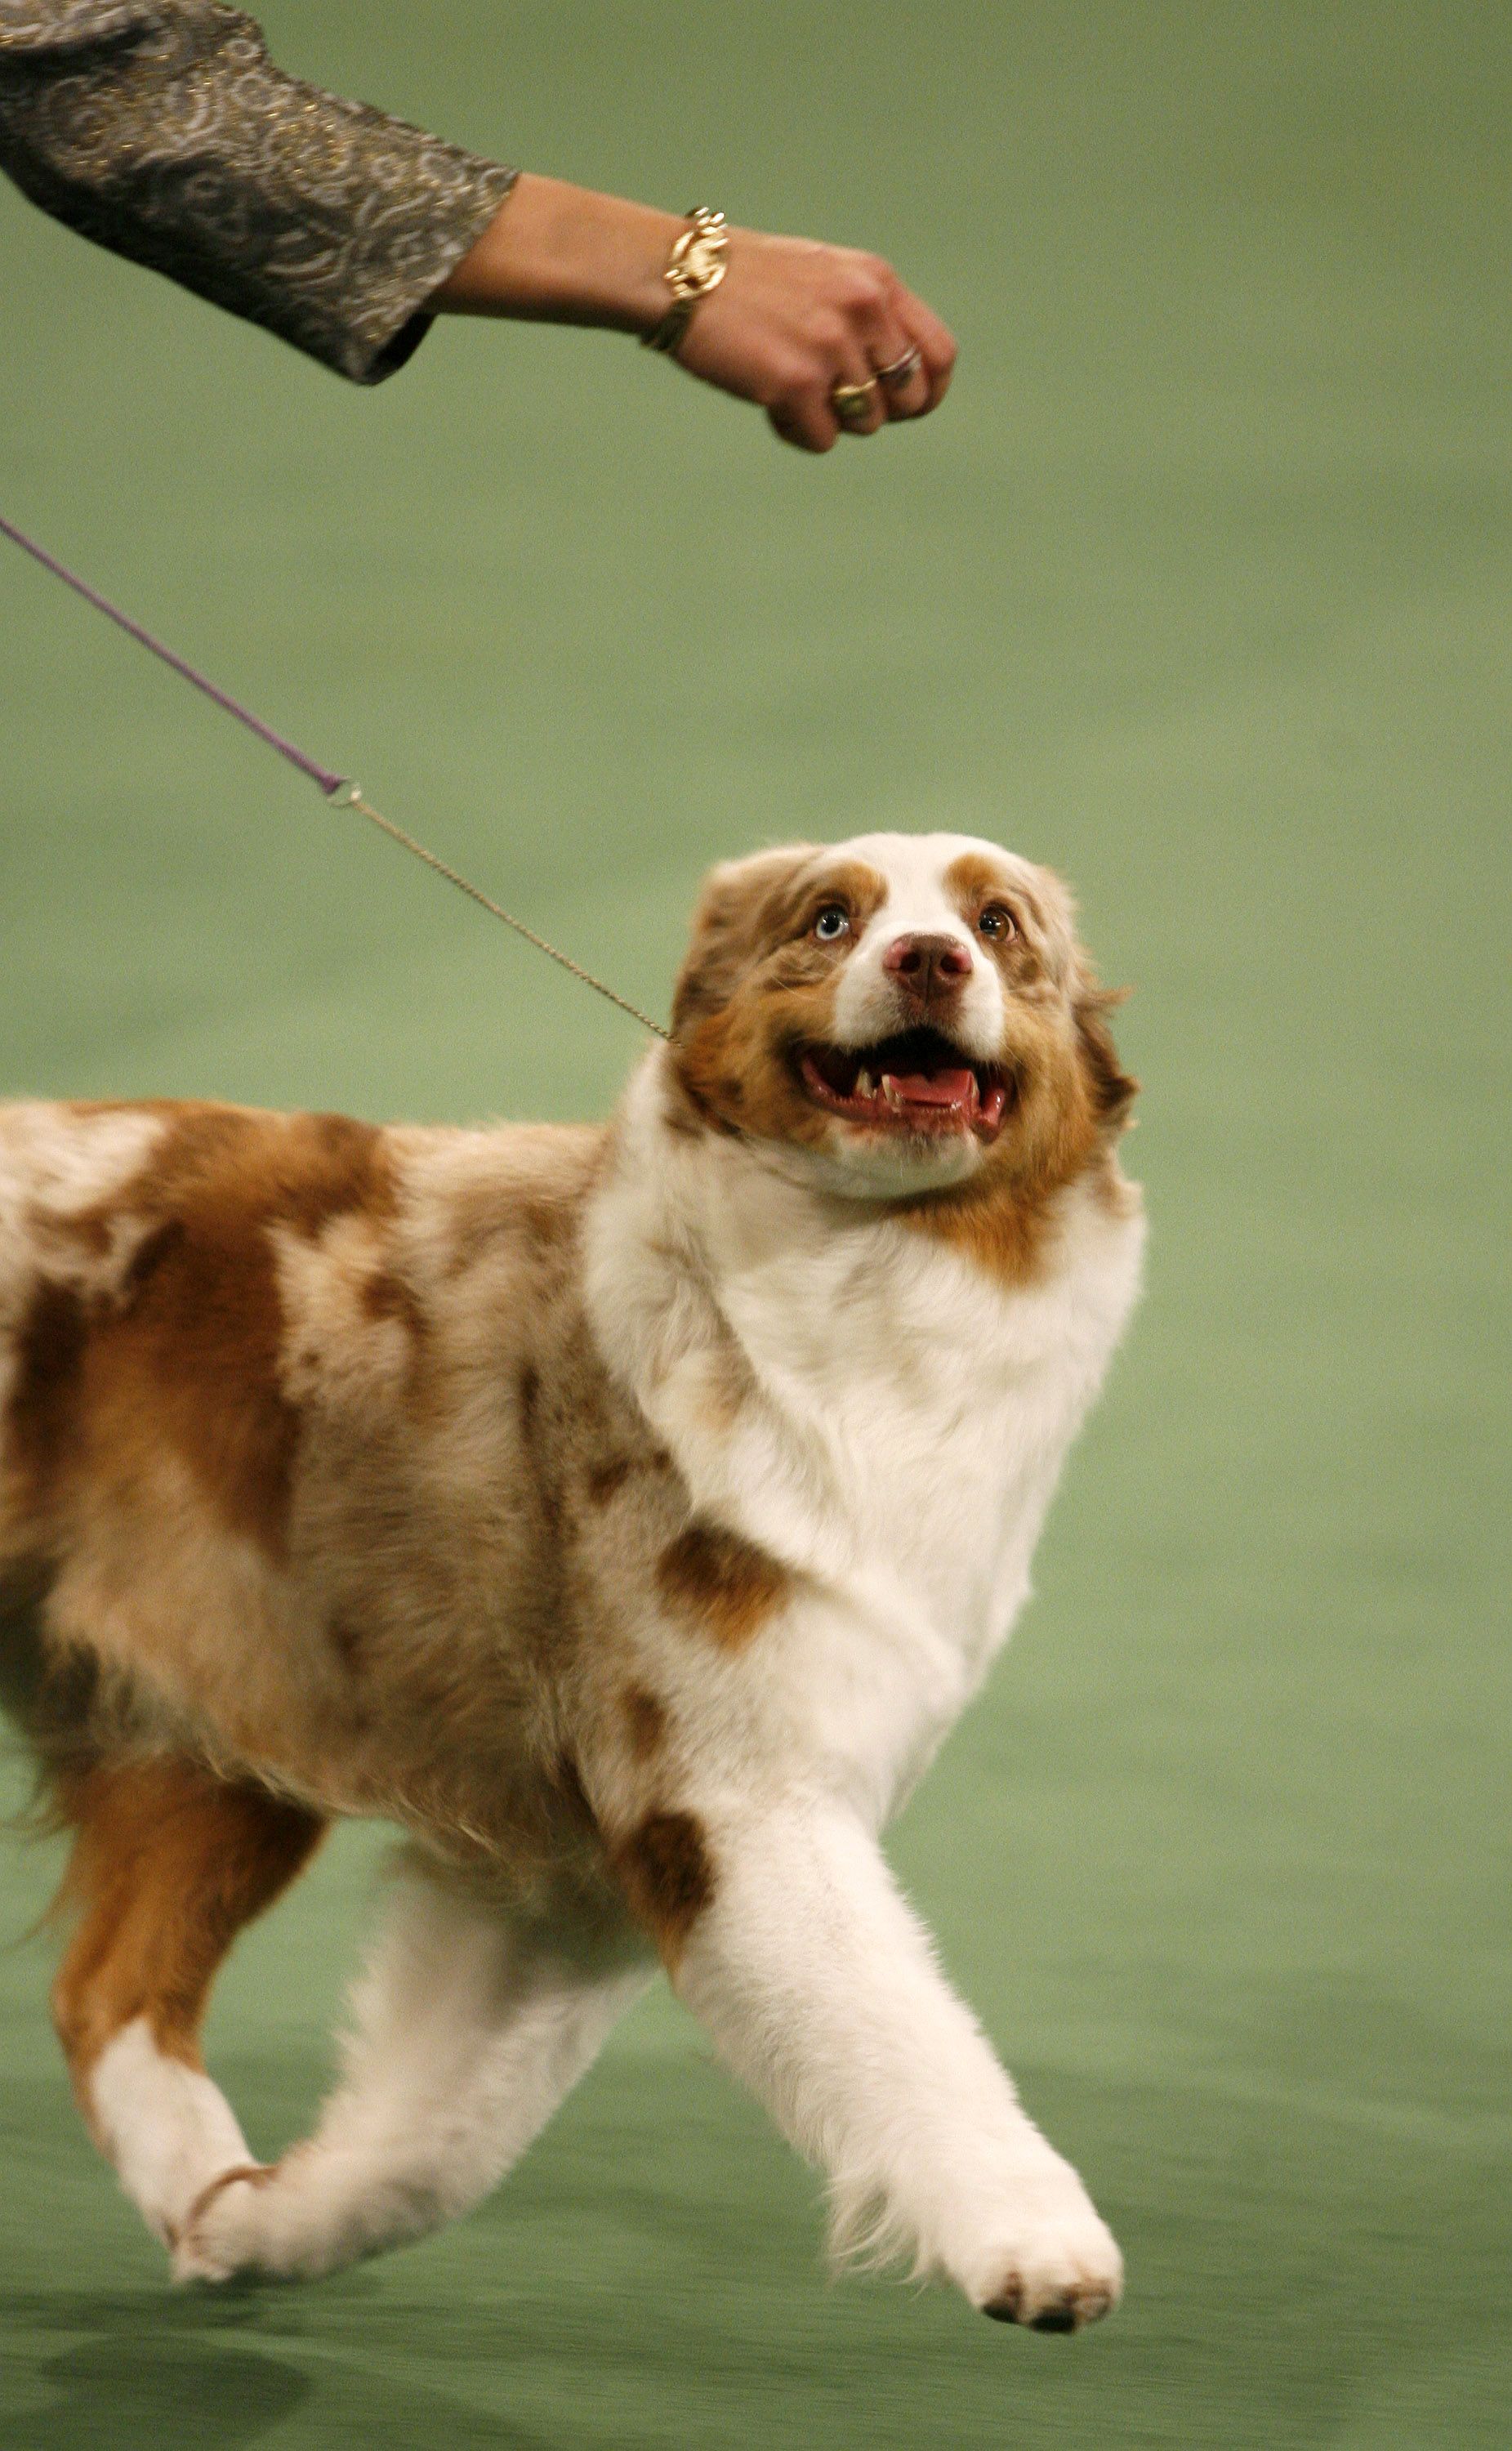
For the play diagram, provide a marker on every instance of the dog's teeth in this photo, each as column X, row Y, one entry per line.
column 891, row 1093
column 865, row 1087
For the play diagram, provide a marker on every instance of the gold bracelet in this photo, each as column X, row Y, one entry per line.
column 696, row 264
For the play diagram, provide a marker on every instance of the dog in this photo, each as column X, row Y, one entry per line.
column 627, row 1511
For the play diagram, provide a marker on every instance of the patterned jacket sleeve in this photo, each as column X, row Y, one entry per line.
column 162, row 128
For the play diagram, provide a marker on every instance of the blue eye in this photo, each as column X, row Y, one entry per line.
column 833, row 921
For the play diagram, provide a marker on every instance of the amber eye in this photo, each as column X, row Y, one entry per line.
column 998, row 922
column 833, row 921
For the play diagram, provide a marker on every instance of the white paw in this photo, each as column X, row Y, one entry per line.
column 1053, row 2264
column 311, row 2213
column 227, row 2229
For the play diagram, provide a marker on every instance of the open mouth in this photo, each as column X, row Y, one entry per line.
column 918, row 1079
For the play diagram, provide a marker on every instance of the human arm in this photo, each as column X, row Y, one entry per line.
column 791, row 318
column 162, row 129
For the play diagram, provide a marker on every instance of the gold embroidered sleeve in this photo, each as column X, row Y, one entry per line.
column 162, row 129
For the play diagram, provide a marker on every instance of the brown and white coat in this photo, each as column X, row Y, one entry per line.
column 626, row 1512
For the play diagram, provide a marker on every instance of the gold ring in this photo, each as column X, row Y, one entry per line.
column 852, row 403
column 902, row 370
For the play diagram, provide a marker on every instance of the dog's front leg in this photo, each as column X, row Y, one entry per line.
column 821, row 1991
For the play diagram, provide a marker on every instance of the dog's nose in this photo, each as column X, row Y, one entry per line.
column 925, row 967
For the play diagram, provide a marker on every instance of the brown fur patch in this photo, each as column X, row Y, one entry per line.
column 1001, row 1226
column 53, row 1695
column 186, row 1351
column 727, row 1584
column 349, row 1642
column 169, row 1864
column 42, row 1426
column 567, row 1782
column 730, row 1383
column 605, row 1480
column 645, row 1722
column 743, row 909
column 542, row 1466
column 526, row 1207
column 152, row 1254
column 386, row 1296
column 1111, row 1090
column 668, row 1877
column 974, row 879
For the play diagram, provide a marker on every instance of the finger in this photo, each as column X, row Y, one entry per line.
column 865, row 410
column 904, row 379
column 809, row 424
column 935, row 343
column 897, row 362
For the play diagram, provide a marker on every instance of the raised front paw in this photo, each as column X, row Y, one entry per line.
column 1057, row 2266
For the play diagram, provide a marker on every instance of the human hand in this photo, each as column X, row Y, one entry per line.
column 791, row 318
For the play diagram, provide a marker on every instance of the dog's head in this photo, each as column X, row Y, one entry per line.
column 898, row 1014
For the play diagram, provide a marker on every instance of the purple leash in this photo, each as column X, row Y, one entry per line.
column 338, row 788
column 328, row 782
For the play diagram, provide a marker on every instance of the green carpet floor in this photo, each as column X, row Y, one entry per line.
column 1198, row 589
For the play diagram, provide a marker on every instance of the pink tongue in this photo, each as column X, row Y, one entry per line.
column 934, row 1088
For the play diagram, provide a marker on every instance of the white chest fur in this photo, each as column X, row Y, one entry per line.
column 869, row 1406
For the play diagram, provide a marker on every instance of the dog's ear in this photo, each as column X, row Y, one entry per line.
column 1111, row 1090
column 736, row 911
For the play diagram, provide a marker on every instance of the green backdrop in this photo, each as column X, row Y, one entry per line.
column 1198, row 589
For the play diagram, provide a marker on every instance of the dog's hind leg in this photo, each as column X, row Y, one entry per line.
column 470, row 2024
column 168, row 1863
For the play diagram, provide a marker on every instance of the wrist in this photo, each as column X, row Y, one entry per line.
column 698, row 264
column 557, row 253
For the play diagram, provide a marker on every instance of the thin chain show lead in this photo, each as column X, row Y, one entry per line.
column 338, row 791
